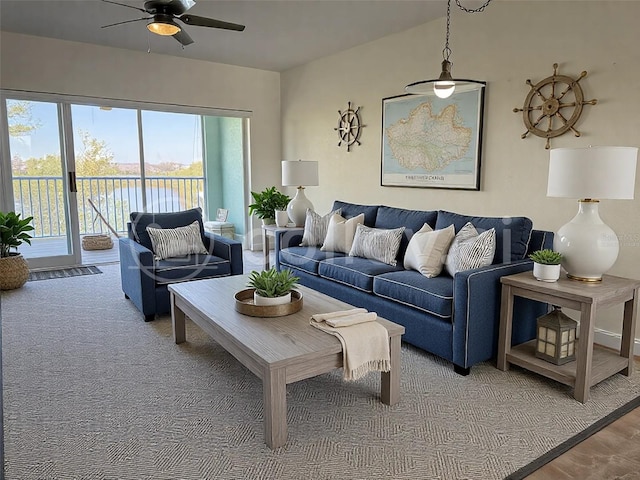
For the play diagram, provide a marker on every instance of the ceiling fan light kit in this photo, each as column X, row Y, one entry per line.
column 445, row 84
column 163, row 25
column 164, row 14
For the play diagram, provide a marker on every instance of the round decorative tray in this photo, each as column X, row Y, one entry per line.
column 245, row 305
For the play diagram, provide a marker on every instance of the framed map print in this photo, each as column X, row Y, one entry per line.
column 432, row 142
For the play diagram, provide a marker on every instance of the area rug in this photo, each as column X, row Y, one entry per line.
column 63, row 273
column 92, row 391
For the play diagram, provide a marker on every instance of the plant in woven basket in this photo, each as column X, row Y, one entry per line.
column 13, row 232
column 272, row 283
column 14, row 269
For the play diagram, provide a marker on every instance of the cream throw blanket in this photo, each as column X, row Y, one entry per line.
column 365, row 343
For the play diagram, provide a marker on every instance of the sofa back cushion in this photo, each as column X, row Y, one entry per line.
column 140, row 221
column 411, row 220
column 512, row 233
column 350, row 210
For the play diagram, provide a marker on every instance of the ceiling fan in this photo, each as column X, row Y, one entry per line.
column 164, row 14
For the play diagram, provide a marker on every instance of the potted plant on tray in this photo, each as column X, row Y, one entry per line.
column 266, row 202
column 272, row 287
column 546, row 265
column 14, row 270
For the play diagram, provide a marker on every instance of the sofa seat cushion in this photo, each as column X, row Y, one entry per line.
column 191, row 267
column 305, row 258
column 356, row 272
column 512, row 233
column 432, row 295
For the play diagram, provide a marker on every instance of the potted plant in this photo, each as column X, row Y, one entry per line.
column 271, row 286
column 546, row 265
column 14, row 270
column 266, row 203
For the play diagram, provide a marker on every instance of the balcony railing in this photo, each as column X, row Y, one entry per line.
column 115, row 197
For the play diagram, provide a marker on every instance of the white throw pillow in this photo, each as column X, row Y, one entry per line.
column 470, row 250
column 176, row 242
column 315, row 228
column 427, row 250
column 377, row 243
column 340, row 233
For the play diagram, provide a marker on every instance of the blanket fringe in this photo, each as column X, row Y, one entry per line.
column 371, row 366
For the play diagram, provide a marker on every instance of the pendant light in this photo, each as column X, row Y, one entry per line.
column 445, row 84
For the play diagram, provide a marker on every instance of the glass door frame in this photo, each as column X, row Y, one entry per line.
column 6, row 194
column 67, row 160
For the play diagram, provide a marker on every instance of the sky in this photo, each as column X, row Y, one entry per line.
column 168, row 137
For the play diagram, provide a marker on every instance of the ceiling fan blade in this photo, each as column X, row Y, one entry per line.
column 126, row 21
column 210, row 22
column 183, row 37
column 125, row 5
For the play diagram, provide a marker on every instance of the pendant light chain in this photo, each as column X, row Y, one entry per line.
column 473, row 10
column 446, row 52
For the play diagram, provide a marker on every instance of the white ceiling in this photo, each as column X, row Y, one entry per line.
column 279, row 34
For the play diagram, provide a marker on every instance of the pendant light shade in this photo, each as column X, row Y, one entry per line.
column 445, row 84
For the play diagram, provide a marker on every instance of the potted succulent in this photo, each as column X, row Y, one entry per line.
column 546, row 265
column 266, row 203
column 14, row 270
column 271, row 286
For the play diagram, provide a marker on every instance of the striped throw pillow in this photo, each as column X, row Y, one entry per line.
column 176, row 242
column 315, row 228
column 377, row 243
column 470, row 249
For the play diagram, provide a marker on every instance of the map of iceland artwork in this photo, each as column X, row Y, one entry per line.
column 432, row 142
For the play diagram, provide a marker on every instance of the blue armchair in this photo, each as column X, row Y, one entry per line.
column 145, row 278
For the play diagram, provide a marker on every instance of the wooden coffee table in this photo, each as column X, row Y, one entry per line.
column 278, row 350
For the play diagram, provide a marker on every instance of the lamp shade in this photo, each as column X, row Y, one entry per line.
column 592, row 172
column 299, row 173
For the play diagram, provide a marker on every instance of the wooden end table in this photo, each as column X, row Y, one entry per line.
column 593, row 363
column 271, row 231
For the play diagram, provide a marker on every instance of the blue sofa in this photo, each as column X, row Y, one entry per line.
column 145, row 279
column 455, row 318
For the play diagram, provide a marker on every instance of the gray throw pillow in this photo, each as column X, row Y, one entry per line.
column 176, row 242
column 315, row 228
column 470, row 249
column 377, row 243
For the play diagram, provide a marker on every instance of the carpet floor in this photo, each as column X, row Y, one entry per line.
column 91, row 391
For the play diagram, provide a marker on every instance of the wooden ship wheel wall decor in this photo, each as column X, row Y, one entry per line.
column 349, row 127
column 546, row 111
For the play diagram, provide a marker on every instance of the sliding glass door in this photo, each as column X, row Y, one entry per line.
column 39, row 179
column 81, row 169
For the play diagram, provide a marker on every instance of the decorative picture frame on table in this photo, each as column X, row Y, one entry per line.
column 432, row 142
column 221, row 214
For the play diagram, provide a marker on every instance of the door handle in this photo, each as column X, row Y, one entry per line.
column 73, row 187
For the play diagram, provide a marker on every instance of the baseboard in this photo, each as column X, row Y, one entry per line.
column 613, row 340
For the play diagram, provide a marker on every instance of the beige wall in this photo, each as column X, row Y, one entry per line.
column 508, row 43
column 54, row 66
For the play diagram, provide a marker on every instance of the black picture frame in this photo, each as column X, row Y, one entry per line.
column 430, row 142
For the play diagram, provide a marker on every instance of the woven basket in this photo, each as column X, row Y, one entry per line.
column 97, row 242
column 14, row 272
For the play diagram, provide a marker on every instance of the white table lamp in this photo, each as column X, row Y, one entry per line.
column 589, row 246
column 299, row 173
